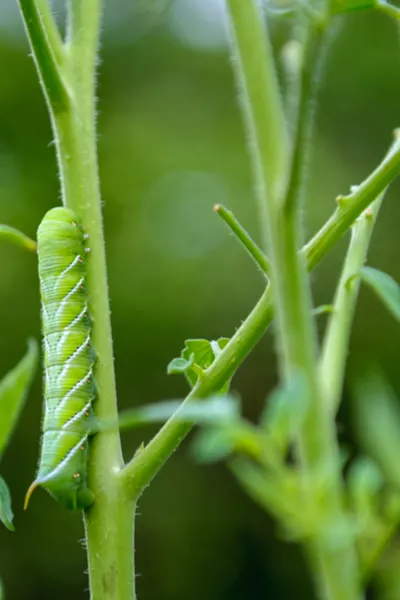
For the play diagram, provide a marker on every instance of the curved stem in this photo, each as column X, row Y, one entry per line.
column 16, row 237
column 146, row 464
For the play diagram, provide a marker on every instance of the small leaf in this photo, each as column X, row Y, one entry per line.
column 285, row 412
column 6, row 514
column 211, row 411
column 9, row 234
column 212, row 445
column 385, row 287
column 177, row 366
column 364, row 482
column 377, row 420
column 13, row 391
column 196, row 357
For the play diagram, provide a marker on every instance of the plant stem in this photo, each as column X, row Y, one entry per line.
column 47, row 51
column 260, row 98
column 352, row 205
column 16, row 237
column 244, row 238
column 109, row 522
column 145, row 465
column 334, row 352
column 296, row 336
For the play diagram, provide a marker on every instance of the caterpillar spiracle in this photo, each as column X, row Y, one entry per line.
column 69, row 388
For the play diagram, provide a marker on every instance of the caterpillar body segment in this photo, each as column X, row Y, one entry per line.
column 69, row 388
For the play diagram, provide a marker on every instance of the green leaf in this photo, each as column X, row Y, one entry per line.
column 216, row 409
column 196, row 357
column 285, row 412
column 9, row 234
column 213, row 444
column 177, row 366
column 343, row 6
column 364, row 482
column 6, row 514
column 385, row 287
column 13, row 392
column 377, row 420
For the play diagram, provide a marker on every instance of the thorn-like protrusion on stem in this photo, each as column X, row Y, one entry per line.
column 341, row 200
column 369, row 213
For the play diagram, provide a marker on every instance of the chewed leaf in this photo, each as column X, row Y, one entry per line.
column 385, row 287
column 13, row 392
column 14, row 236
column 196, row 357
column 6, row 514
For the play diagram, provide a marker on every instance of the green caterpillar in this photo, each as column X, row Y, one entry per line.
column 69, row 388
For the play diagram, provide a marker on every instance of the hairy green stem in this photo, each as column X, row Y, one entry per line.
column 260, row 98
column 351, row 206
column 296, row 335
column 334, row 352
column 244, row 238
column 109, row 522
column 47, row 52
column 146, row 464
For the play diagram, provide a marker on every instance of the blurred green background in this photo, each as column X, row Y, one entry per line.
column 171, row 144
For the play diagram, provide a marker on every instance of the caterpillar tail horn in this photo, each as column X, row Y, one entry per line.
column 29, row 493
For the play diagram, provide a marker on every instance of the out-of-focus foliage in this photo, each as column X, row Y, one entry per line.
column 171, row 145
column 14, row 388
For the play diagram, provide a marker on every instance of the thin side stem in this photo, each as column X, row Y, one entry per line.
column 146, row 463
column 14, row 236
column 51, row 29
column 46, row 49
column 334, row 352
column 351, row 206
column 313, row 40
column 244, row 238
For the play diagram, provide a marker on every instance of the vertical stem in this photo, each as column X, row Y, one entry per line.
column 334, row 353
column 69, row 86
column 260, row 98
column 296, row 336
column 109, row 522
